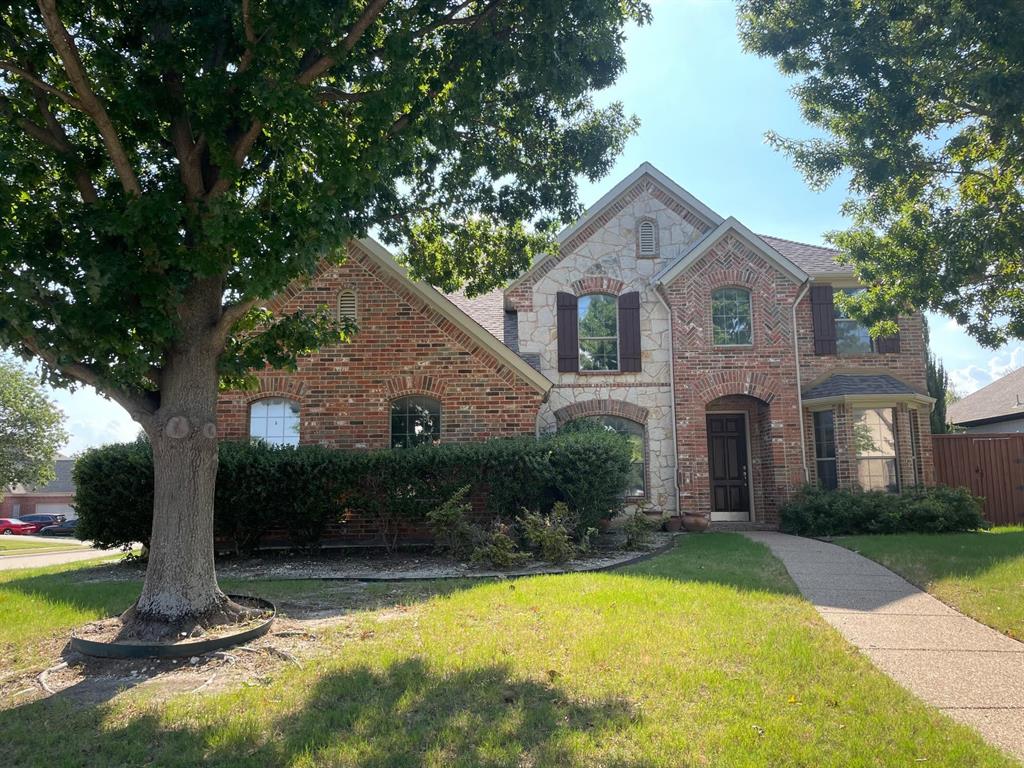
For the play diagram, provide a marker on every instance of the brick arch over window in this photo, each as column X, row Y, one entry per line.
column 401, row 386
column 598, row 284
column 601, row 407
column 288, row 387
column 723, row 383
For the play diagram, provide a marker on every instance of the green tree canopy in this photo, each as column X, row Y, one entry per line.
column 167, row 165
column 31, row 429
column 922, row 106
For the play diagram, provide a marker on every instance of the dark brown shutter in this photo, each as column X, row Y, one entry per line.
column 823, row 319
column 629, row 332
column 568, row 334
column 884, row 344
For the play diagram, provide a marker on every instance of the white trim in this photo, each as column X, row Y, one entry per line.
column 733, row 517
column 438, row 301
column 674, row 269
column 868, row 401
column 595, row 210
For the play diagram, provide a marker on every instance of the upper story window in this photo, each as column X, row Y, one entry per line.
column 730, row 317
column 852, row 338
column 275, row 421
column 347, row 305
column 647, row 238
column 874, row 441
column 598, row 318
column 415, row 421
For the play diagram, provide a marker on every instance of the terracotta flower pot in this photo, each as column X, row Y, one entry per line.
column 604, row 524
column 673, row 524
column 695, row 523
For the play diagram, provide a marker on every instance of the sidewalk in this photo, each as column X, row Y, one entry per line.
column 969, row 671
column 14, row 562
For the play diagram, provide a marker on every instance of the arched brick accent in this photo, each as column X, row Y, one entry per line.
column 737, row 382
column 286, row 386
column 601, row 407
column 598, row 284
column 400, row 386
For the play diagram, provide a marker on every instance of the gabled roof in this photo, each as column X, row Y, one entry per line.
column 812, row 259
column 729, row 226
column 1002, row 399
column 62, row 483
column 645, row 169
column 439, row 302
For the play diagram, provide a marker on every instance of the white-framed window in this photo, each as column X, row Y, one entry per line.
column 915, row 446
column 874, row 442
column 852, row 338
column 275, row 421
column 731, row 317
column 347, row 305
column 647, row 238
column 598, row 316
column 825, row 449
column 415, row 420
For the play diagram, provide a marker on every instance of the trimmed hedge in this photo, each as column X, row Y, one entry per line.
column 816, row 512
column 309, row 488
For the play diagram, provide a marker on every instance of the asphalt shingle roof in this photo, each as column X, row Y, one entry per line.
column 1003, row 397
column 62, row 483
column 840, row 384
column 812, row 259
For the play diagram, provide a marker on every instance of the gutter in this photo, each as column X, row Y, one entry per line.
column 672, row 395
column 799, row 387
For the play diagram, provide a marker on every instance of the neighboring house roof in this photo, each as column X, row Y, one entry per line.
column 460, row 317
column 62, row 483
column 812, row 259
column 851, row 387
column 730, row 225
column 1000, row 400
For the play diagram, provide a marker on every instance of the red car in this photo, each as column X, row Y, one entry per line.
column 9, row 525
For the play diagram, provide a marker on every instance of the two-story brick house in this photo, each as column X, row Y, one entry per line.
column 719, row 352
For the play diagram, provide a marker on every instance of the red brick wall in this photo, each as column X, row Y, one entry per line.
column 760, row 379
column 403, row 347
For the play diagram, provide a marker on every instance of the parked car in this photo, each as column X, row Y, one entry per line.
column 43, row 520
column 65, row 528
column 12, row 525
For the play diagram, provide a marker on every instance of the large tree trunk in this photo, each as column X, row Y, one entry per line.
column 180, row 594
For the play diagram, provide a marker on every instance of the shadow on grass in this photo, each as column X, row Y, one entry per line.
column 924, row 556
column 404, row 715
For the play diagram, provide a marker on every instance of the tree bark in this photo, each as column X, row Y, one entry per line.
column 180, row 594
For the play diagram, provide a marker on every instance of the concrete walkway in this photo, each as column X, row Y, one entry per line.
column 969, row 671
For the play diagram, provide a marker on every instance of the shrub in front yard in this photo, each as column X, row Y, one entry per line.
column 940, row 509
column 304, row 491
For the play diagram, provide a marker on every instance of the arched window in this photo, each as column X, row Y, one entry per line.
column 730, row 316
column 275, row 421
column 347, row 305
column 598, row 317
column 646, row 239
column 633, row 431
column 415, row 420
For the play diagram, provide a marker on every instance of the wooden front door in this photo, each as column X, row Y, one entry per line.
column 729, row 466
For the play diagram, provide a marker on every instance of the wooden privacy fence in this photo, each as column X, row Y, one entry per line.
column 991, row 465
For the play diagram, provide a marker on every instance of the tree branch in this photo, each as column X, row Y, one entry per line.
column 14, row 69
column 66, row 49
column 231, row 314
column 370, row 13
column 250, row 38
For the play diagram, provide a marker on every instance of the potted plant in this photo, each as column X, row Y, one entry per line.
column 695, row 522
column 673, row 524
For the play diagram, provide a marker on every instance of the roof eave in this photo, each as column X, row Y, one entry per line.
column 867, row 400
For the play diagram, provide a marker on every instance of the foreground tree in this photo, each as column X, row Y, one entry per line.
column 169, row 165
column 31, row 429
column 922, row 103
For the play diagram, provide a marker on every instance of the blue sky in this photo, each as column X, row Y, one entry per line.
column 704, row 106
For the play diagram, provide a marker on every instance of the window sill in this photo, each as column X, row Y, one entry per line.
column 727, row 347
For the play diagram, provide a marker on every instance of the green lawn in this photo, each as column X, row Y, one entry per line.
column 10, row 545
column 980, row 574
column 704, row 656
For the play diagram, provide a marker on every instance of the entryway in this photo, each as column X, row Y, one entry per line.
column 729, row 466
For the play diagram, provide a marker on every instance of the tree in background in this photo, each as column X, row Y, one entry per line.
column 31, row 429
column 168, row 166
column 939, row 386
column 922, row 106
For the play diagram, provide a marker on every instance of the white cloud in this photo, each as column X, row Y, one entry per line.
column 93, row 420
column 971, row 378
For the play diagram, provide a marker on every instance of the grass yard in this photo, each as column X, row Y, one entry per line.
column 704, row 656
column 980, row 574
column 11, row 545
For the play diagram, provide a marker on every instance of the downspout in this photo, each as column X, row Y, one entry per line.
column 799, row 386
column 672, row 396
